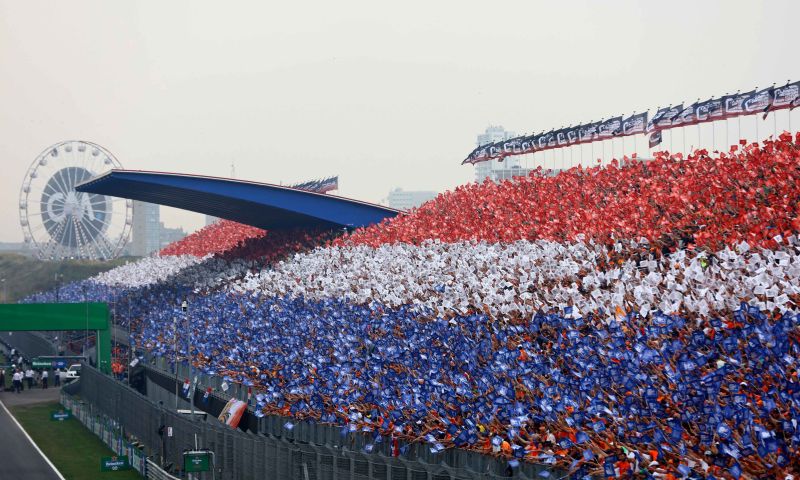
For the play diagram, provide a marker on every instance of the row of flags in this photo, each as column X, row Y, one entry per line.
column 728, row 106
column 323, row 185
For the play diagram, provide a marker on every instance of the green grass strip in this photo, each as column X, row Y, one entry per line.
column 72, row 448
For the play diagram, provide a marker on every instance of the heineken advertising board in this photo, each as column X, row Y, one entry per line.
column 197, row 461
column 54, row 362
column 114, row 464
column 49, row 363
column 60, row 415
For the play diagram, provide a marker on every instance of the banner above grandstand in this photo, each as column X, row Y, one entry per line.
column 673, row 116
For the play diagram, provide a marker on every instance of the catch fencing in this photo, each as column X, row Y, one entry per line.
column 306, row 452
column 30, row 344
column 106, row 428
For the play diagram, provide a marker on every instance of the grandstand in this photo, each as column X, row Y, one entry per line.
column 637, row 318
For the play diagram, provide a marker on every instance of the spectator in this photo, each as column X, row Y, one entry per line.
column 17, row 380
column 29, row 377
column 625, row 321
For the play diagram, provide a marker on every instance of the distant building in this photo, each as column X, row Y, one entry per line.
column 403, row 200
column 169, row 235
column 500, row 174
column 146, row 229
column 492, row 169
column 20, row 248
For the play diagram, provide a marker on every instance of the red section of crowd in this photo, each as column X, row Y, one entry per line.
column 709, row 199
column 215, row 238
column 276, row 245
column 233, row 241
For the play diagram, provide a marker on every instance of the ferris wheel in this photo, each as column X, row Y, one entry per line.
column 59, row 222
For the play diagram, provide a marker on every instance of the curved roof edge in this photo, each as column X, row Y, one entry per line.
column 262, row 205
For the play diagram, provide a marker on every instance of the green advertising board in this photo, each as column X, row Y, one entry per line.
column 60, row 415
column 196, row 461
column 56, row 362
column 114, row 464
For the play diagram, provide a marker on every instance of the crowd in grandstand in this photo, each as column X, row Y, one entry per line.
column 637, row 319
column 146, row 271
column 519, row 279
column 747, row 195
column 218, row 237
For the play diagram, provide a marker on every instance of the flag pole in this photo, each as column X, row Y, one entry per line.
column 683, row 135
column 774, row 125
column 727, row 140
column 622, row 134
column 699, row 136
column 603, row 159
column 758, row 139
column 614, row 137
column 671, row 150
column 699, row 131
column 739, row 128
column 713, row 137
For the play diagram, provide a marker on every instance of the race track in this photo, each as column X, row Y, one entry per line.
column 19, row 458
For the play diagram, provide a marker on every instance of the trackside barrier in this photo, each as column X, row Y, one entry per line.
column 308, row 451
column 154, row 472
column 273, row 426
column 109, row 431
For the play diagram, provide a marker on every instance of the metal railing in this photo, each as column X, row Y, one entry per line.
column 154, row 472
column 109, row 431
column 308, row 451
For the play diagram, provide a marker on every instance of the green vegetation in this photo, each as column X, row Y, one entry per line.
column 26, row 275
column 73, row 449
column 9, row 372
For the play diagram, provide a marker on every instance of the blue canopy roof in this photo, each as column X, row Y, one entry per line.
column 261, row 205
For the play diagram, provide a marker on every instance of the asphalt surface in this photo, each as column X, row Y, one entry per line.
column 18, row 457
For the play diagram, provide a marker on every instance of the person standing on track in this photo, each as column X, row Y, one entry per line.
column 45, row 374
column 29, row 378
column 17, row 379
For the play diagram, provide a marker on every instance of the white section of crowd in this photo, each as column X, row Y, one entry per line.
column 523, row 277
column 146, row 271
column 201, row 273
column 213, row 272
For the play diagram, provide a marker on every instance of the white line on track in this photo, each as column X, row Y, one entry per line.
column 32, row 442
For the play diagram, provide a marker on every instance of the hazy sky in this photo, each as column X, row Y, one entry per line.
column 382, row 95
